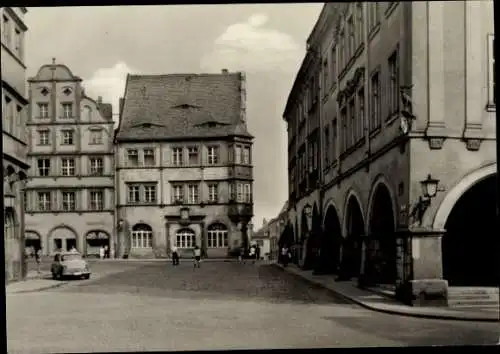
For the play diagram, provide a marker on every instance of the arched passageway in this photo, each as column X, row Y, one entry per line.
column 312, row 243
column 32, row 241
column 351, row 251
column 330, row 243
column 470, row 245
column 381, row 257
column 62, row 239
column 94, row 240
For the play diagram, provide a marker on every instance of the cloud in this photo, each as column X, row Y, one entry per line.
column 250, row 46
column 109, row 83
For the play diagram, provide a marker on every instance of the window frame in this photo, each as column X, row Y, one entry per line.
column 376, row 101
column 71, row 203
column 212, row 155
column 393, row 82
column 177, row 156
column 491, row 104
column 71, row 112
column 95, row 204
column 44, row 205
column 42, row 134
column 96, row 139
column 175, row 198
column 141, row 238
column 132, row 157
column 193, row 151
column 150, row 193
column 68, row 140
column 133, row 187
column 217, row 237
column 195, row 197
column 43, row 168
column 149, row 157
column 185, row 238
column 92, row 169
column 42, row 113
column 69, row 168
column 213, row 192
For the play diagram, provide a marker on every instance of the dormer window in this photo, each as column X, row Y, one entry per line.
column 67, row 91
column 44, row 91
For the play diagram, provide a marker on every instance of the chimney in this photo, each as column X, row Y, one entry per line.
column 224, row 71
column 99, row 99
column 120, row 106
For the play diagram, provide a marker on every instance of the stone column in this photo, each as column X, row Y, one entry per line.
column 424, row 284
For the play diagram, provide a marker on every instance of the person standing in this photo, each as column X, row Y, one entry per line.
column 106, row 251
column 38, row 259
column 197, row 256
column 102, row 252
column 253, row 253
column 285, row 255
column 175, row 255
column 241, row 255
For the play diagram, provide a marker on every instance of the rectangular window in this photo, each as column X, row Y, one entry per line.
column 327, row 146
column 95, row 137
column 177, row 158
column 342, row 53
column 43, row 201
column 326, row 80
column 6, row 30
column 213, row 155
column 193, row 195
column 237, row 155
column 19, row 43
column 375, row 96
column 239, row 195
column 142, row 239
column 68, row 167
column 334, row 139
column 352, row 123
column 67, row 110
column 491, row 71
column 96, row 201
column 343, row 129
column 374, row 14
column 351, row 39
column 178, row 193
column 217, row 238
column 247, row 193
column 68, row 201
column 96, row 166
column 232, row 191
column 134, row 193
column 193, row 155
column 361, row 115
column 393, row 88
column 43, row 167
column 8, row 115
column 67, row 137
column 150, row 194
column 247, row 160
column 359, row 21
column 132, row 157
column 43, row 137
column 213, row 196
column 149, row 157
column 333, row 66
column 43, row 110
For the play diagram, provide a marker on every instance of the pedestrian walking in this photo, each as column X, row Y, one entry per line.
column 106, row 251
column 257, row 252
column 38, row 259
column 253, row 253
column 197, row 256
column 285, row 255
column 102, row 252
column 241, row 255
column 175, row 256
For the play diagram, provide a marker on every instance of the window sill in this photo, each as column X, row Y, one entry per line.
column 375, row 132
column 373, row 32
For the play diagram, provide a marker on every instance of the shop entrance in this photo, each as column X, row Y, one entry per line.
column 94, row 241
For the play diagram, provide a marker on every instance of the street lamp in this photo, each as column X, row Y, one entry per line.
column 429, row 191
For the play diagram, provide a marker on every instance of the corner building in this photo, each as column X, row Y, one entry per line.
column 184, row 168
column 408, row 92
column 70, row 193
column 15, row 145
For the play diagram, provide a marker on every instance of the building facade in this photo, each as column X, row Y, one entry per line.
column 392, row 74
column 184, row 165
column 70, row 193
column 15, row 163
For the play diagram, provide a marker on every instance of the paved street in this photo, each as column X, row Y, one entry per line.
column 152, row 306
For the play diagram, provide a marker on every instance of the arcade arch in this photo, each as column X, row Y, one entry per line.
column 330, row 243
column 470, row 244
column 352, row 246
column 61, row 238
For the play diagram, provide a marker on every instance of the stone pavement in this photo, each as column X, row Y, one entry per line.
column 378, row 302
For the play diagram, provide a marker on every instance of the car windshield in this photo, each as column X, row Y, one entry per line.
column 70, row 257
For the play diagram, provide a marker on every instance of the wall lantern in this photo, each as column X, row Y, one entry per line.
column 429, row 191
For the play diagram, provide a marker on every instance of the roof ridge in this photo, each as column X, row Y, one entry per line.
column 183, row 74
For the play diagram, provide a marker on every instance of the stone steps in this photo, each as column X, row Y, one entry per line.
column 462, row 297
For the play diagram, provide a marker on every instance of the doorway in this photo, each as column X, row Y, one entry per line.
column 70, row 243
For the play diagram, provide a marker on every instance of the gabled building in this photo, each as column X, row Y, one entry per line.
column 184, row 165
column 14, row 161
column 70, row 193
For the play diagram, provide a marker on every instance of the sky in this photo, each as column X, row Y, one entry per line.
column 267, row 41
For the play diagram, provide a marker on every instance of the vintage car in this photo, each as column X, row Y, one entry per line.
column 69, row 265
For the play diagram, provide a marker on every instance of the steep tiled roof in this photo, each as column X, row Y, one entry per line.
column 182, row 106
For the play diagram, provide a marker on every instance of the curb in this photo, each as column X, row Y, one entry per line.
column 392, row 312
column 38, row 289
